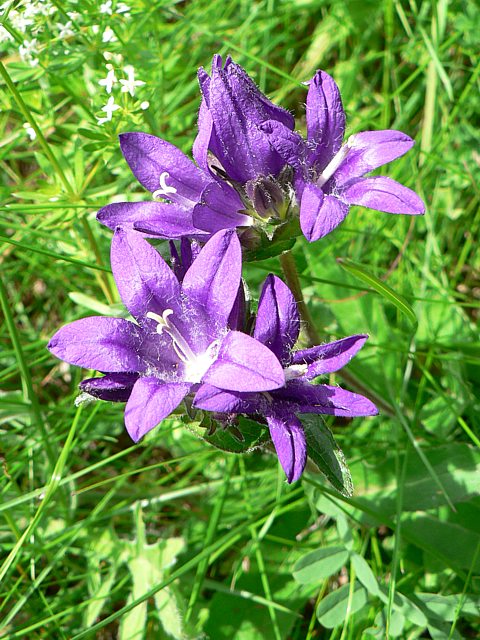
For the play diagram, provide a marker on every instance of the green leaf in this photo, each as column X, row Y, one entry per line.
column 332, row 610
column 359, row 272
column 365, row 574
column 320, row 564
column 444, row 607
column 115, row 310
column 405, row 606
column 326, row 454
column 379, row 630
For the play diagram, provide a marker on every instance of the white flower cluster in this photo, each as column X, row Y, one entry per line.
column 128, row 84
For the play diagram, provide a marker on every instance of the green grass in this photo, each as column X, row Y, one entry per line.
column 170, row 537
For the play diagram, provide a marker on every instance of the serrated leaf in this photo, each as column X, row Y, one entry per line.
column 320, row 564
column 332, row 610
column 326, row 454
column 359, row 272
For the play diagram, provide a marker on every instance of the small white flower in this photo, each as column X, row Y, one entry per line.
column 109, row 108
column 106, row 7
column 123, row 8
column 110, row 80
column 65, row 30
column 73, row 15
column 129, row 84
column 5, row 36
column 95, row 28
column 144, row 105
column 19, row 21
column 108, row 35
column 30, row 131
column 28, row 51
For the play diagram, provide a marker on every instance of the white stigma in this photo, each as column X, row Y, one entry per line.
column 164, row 188
column 333, row 165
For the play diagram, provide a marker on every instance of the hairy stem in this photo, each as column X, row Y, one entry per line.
column 289, row 269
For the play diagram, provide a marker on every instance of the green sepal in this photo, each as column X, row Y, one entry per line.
column 241, row 437
column 325, row 453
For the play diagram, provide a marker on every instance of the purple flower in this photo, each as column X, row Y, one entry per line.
column 180, row 338
column 230, row 114
column 329, row 177
column 237, row 176
column 277, row 326
column 170, row 175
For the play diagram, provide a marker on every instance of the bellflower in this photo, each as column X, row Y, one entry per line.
column 180, row 336
column 329, row 176
column 237, row 173
column 277, row 327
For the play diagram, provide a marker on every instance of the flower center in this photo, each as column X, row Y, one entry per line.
column 196, row 365
column 164, row 188
column 333, row 165
column 295, row 371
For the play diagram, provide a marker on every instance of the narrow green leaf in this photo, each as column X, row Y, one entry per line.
column 359, row 272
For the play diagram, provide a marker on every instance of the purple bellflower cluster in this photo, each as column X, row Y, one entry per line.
column 188, row 338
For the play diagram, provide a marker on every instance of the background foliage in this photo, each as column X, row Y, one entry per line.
column 171, row 538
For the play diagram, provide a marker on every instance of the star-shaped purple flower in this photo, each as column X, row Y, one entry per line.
column 181, row 336
column 277, row 326
column 329, row 177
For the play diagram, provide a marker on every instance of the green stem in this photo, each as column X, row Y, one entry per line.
column 291, row 275
column 31, row 120
column 289, row 269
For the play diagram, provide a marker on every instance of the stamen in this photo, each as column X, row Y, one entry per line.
column 164, row 188
column 180, row 345
column 333, row 165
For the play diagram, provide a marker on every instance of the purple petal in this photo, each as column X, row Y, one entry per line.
column 172, row 221
column 158, row 164
column 113, row 387
column 278, row 322
column 383, row 194
column 219, row 209
column 150, row 402
column 213, row 279
column 144, row 280
column 327, row 358
column 325, row 399
column 105, row 344
column 126, row 214
column 289, row 440
column 181, row 263
column 319, row 213
column 238, row 108
column 325, row 119
column 202, row 141
column 244, row 364
column 369, row 150
column 213, row 399
column 289, row 145
column 237, row 317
